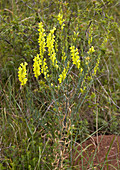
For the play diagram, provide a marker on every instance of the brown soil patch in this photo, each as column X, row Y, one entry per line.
column 105, row 154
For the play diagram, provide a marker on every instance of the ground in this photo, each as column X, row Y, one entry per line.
column 105, row 154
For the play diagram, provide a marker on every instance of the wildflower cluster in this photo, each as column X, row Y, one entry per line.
column 22, row 73
column 40, row 62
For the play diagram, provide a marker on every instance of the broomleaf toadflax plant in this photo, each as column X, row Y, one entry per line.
column 67, row 77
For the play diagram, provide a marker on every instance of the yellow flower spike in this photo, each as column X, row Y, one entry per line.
column 53, row 59
column 22, row 73
column 60, row 78
column 81, row 70
column 61, row 20
column 63, row 25
column 52, row 31
column 51, row 50
column 41, row 39
column 51, row 41
column 75, row 56
column 36, row 66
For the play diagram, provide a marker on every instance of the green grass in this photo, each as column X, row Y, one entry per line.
column 40, row 123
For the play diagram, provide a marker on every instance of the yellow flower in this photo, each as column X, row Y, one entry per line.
column 87, row 60
column 63, row 75
column 61, row 20
column 44, row 69
column 63, row 56
column 22, row 73
column 91, row 50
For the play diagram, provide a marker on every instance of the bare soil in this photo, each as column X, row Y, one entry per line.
column 101, row 155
